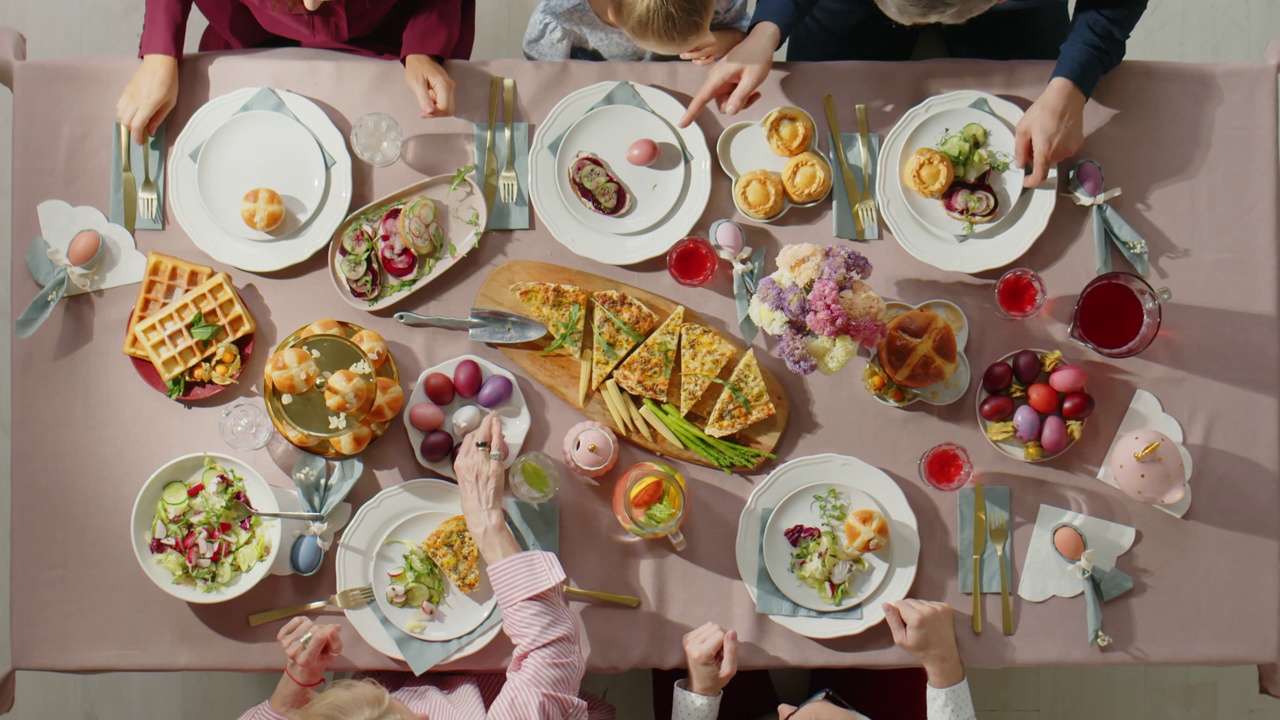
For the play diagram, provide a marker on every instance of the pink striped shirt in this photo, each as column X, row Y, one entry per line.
column 546, row 669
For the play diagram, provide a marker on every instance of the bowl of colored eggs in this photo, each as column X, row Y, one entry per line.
column 1032, row 405
column 451, row 399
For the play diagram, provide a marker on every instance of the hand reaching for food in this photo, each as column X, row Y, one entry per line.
column 481, row 476
column 150, row 95
column 712, row 655
column 733, row 80
column 1051, row 131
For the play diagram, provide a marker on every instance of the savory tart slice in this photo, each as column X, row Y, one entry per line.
column 703, row 354
column 619, row 323
column 452, row 548
column 744, row 402
column 647, row 371
column 562, row 308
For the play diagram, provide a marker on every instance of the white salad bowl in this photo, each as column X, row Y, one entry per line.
column 144, row 509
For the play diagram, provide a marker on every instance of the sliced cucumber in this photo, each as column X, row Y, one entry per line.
column 419, row 564
column 353, row 267
column 415, row 593
column 975, row 134
column 174, row 493
column 210, row 475
column 607, row 195
column 592, row 176
column 956, row 147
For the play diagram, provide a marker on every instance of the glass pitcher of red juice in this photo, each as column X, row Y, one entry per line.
column 1117, row 315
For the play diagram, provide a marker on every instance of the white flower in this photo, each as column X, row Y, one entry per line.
column 767, row 319
column 832, row 354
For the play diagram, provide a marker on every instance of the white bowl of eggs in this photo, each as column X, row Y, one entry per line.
column 451, row 399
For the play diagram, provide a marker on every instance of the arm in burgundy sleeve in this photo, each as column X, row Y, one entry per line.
column 547, row 666
column 164, row 27
column 436, row 28
column 1096, row 41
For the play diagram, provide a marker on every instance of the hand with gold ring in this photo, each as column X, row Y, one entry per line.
column 309, row 648
column 481, row 480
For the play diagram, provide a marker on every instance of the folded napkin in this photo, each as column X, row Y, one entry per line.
column 267, row 99
column 156, row 145
column 1086, row 189
column 506, row 216
column 624, row 93
column 843, row 213
column 997, row 499
column 771, row 601
column 536, row 527
column 289, row 501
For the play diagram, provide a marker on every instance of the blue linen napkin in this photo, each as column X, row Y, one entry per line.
column 624, row 93
column 536, row 527
column 842, row 213
column 267, row 99
column 1087, row 189
column 771, row 601
column 997, row 498
column 506, row 216
column 156, row 146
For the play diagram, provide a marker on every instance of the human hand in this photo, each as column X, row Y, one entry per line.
column 927, row 630
column 713, row 46
column 430, row 84
column 1051, row 131
column 712, row 655
column 150, row 95
column 732, row 82
column 308, row 663
column 480, row 485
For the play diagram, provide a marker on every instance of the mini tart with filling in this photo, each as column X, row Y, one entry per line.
column 759, row 194
column 929, row 172
column 789, row 131
column 806, row 178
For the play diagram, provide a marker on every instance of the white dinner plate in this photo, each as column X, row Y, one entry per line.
column 800, row 508
column 603, row 247
column 514, row 413
column 237, row 250
column 457, row 614
column 260, row 149
column 988, row 247
column 904, row 535
column 608, row 133
column 1007, row 184
column 359, row 545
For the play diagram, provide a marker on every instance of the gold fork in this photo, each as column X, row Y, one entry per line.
column 507, row 183
column 347, row 599
column 998, row 529
column 147, row 198
column 628, row 600
column 866, row 202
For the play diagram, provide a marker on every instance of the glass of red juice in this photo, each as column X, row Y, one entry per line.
column 692, row 261
column 1020, row 294
column 1117, row 315
column 946, row 467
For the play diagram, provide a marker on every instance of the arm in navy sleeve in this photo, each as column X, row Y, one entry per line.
column 786, row 14
column 1096, row 40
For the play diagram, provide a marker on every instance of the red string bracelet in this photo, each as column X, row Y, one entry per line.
column 298, row 682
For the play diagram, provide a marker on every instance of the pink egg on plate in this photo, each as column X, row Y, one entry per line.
column 643, row 152
column 1068, row 379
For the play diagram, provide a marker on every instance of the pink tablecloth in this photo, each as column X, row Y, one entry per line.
column 1193, row 146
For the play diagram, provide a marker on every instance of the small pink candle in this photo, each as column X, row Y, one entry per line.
column 590, row 449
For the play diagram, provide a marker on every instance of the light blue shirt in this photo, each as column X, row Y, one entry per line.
column 571, row 30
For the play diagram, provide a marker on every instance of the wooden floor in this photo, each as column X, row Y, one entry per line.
column 1186, row 30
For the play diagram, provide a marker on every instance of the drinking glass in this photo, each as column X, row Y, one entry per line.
column 692, row 261
column 245, row 425
column 376, row 138
column 1020, row 294
column 534, row 477
column 946, row 467
column 649, row 501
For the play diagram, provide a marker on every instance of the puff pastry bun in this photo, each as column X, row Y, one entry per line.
column 929, row 172
column 865, row 531
column 789, row 131
column 759, row 194
column 327, row 326
column 919, row 350
column 373, row 345
column 806, row 178
column 346, row 392
column 292, row 370
column 354, row 441
column 262, row 209
column 387, row 402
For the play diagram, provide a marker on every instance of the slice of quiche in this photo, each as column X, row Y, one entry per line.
column 647, row 371
column 562, row 308
column 452, row 548
column 703, row 354
column 618, row 324
column 744, row 402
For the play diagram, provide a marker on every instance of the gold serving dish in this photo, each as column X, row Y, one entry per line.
column 306, row 420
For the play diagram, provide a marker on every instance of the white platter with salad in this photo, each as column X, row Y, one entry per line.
column 806, row 549
column 414, row 594
column 394, row 246
column 192, row 534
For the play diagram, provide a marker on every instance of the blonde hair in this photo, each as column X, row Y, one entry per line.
column 350, row 700
column 925, row 12
column 670, row 22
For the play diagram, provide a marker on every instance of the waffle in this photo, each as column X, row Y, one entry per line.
column 166, row 335
column 166, row 279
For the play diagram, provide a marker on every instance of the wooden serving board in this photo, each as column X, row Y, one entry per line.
column 561, row 373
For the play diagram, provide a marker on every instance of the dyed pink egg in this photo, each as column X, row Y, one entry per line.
column 84, row 248
column 1069, row 542
column 1053, row 435
column 642, row 152
column 1068, row 379
column 426, row 417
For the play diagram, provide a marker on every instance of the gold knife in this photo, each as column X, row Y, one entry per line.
column 845, row 173
column 628, row 600
column 490, row 156
column 128, row 185
column 979, row 544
